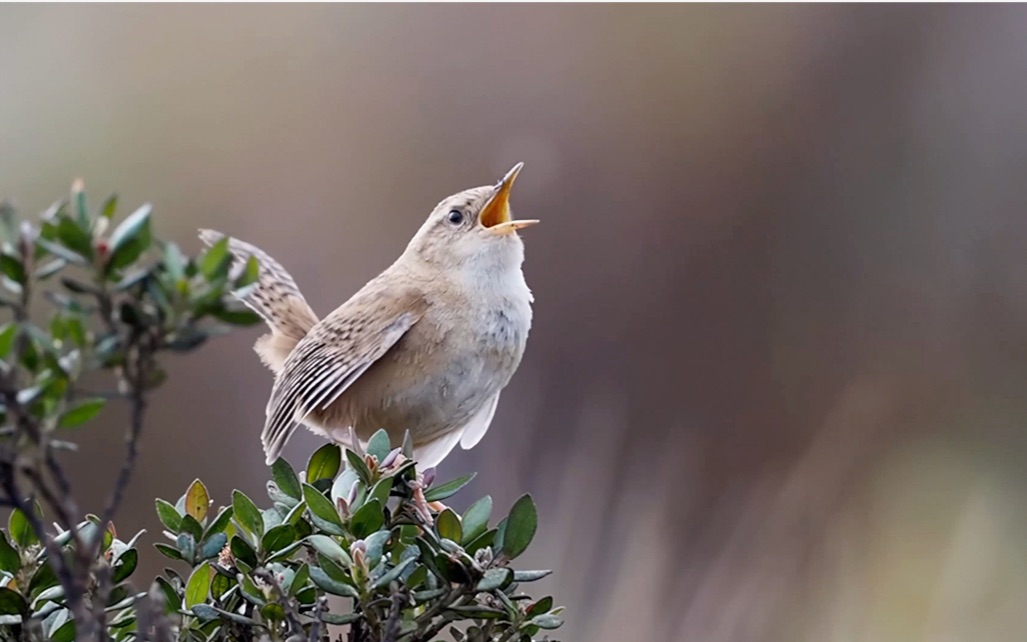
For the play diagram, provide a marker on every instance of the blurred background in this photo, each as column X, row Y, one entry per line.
column 774, row 388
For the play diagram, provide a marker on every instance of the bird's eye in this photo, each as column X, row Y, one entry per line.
column 456, row 217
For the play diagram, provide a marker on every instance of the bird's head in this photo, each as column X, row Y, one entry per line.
column 473, row 231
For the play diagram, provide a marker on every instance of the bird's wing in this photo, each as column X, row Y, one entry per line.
column 479, row 424
column 333, row 355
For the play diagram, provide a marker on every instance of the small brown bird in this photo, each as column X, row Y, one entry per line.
column 426, row 346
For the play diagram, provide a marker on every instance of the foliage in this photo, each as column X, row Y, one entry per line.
column 362, row 527
column 364, row 532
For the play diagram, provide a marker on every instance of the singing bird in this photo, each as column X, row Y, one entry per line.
column 426, row 346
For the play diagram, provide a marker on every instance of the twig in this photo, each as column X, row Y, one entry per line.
column 457, row 597
column 73, row 589
column 295, row 628
column 315, row 628
column 137, row 398
column 391, row 631
column 356, row 632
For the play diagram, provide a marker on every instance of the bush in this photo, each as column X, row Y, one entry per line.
column 365, row 529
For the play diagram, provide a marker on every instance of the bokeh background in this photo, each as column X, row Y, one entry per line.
column 775, row 386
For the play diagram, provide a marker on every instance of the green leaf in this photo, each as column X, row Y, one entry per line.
column 375, row 545
column 205, row 612
column 272, row 612
column 547, row 621
column 286, row 479
column 476, row 519
column 50, row 268
column 250, row 273
column 247, row 514
column 538, row 608
column 299, row 580
column 295, row 514
column 81, row 413
column 20, row 529
column 197, row 501
column 408, row 445
column 109, row 206
column 480, row 542
column 329, row 548
column 197, row 588
column 479, row 612
column 7, row 334
column 393, row 574
column 75, row 237
column 174, row 261
column 339, row 619
column 418, row 577
column 78, row 190
column 66, row 632
column 221, row 522
column 381, row 491
column 438, row 493
column 42, row 579
column 324, row 463
column 367, row 519
column 125, row 566
column 186, row 544
column 520, row 528
column 171, row 599
column 216, row 260
column 379, row 445
column 12, row 268
column 12, row 603
column 272, row 517
column 358, row 466
column 219, row 586
column 59, row 251
column 10, row 561
column 530, row 576
column 192, row 527
column 169, row 516
column 320, row 506
column 447, row 524
column 343, row 484
column 495, row 578
column 421, row 597
column 500, row 534
column 334, row 570
column 168, row 551
column 213, row 545
column 325, row 583
column 136, row 225
column 278, row 538
column 242, row 551
column 131, row 238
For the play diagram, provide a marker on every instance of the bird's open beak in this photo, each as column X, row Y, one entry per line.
column 495, row 216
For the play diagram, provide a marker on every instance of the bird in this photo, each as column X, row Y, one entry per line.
column 427, row 346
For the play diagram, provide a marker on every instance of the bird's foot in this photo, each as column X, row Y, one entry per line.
column 421, row 506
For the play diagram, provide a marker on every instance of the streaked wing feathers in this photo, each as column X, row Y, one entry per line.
column 333, row 355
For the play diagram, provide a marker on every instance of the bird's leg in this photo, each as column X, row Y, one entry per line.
column 421, row 506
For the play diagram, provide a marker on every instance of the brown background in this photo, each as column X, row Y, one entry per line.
column 774, row 389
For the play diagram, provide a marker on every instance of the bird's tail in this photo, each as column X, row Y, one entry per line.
column 275, row 297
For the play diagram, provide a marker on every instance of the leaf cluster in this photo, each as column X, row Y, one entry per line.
column 358, row 526
column 33, row 602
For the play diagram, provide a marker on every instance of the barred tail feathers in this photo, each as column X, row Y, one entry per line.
column 276, row 298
